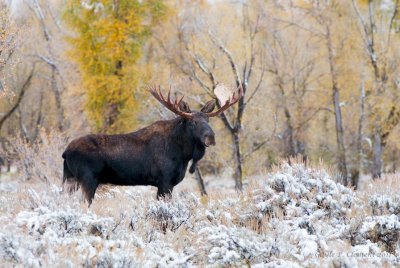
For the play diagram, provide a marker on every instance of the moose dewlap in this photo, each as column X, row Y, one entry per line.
column 156, row 155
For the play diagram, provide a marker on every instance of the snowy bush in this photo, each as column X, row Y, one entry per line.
column 296, row 216
column 41, row 159
column 15, row 250
column 233, row 246
column 42, row 221
column 381, row 204
column 169, row 215
column 384, row 230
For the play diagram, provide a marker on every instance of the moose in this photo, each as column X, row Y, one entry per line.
column 156, row 155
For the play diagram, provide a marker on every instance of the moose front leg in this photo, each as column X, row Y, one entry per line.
column 164, row 192
column 198, row 153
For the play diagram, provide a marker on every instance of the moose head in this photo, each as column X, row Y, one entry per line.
column 197, row 120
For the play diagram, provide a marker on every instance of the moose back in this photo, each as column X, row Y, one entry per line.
column 156, row 155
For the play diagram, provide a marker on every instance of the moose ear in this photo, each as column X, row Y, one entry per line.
column 184, row 107
column 208, row 107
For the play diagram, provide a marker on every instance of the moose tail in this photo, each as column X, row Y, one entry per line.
column 69, row 182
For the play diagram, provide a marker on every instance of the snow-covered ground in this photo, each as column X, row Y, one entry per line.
column 295, row 216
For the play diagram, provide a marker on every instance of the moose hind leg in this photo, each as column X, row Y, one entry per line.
column 89, row 185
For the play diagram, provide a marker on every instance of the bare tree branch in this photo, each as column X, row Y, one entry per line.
column 36, row 8
column 229, row 56
column 21, row 94
column 264, row 142
column 205, row 69
column 257, row 86
column 363, row 24
column 392, row 19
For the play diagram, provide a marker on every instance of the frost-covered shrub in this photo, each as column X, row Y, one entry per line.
column 293, row 217
column 169, row 215
column 381, row 204
column 43, row 221
column 115, row 259
column 16, row 250
column 161, row 254
column 40, row 159
column 384, row 230
column 308, row 189
column 8, row 249
column 232, row 246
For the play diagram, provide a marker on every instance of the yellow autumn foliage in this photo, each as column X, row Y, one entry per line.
column 107, row 47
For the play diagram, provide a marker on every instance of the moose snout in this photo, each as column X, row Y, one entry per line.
column 209, row 140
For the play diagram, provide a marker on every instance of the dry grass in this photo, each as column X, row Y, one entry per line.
column 40, row 160
column 273, row 221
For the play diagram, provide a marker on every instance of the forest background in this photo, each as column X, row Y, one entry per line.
column 321, row 79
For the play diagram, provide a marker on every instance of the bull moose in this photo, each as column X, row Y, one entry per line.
column 156, row 155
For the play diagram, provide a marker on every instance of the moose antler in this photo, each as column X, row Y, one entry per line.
column 235, row 97
column 172, row 106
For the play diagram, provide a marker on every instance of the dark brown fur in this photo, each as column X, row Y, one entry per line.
column 156, row 155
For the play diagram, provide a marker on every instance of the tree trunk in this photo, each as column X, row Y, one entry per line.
column 355, row 177
column 288, row 135
column 238, row 161
column 377, row 154
column 381, row 134
column 339, row 136
column 57, row 96
column 199, row 179
column 342, row 164
column 394, row 159
column 235, row 134
column 291, row 144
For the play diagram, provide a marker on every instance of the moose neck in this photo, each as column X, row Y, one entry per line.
column 183, row 136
